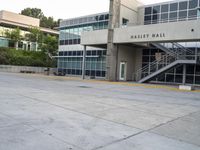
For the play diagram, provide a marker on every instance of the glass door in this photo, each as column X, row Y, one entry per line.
column 122, row 73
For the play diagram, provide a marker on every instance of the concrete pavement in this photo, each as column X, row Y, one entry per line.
column 47, row 113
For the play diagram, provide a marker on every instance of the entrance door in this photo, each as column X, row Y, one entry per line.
column 122, row 73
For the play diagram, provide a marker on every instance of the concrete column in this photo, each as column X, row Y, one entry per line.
column 112, row 54
column 184, row 73
column 83, row 63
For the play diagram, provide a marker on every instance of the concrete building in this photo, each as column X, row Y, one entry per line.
column 10, row 21
column 144, row 43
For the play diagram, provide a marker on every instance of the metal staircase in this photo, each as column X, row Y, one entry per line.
column 175, row 54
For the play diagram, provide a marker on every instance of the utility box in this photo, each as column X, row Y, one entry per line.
column 186, row 87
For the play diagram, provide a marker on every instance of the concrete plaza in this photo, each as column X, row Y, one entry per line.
column 60, row 113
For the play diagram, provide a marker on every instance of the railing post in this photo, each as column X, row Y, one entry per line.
column 149, row 71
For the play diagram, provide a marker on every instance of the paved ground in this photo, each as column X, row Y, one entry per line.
column 47, row 113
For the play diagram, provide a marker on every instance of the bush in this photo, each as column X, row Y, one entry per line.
column 25, row 58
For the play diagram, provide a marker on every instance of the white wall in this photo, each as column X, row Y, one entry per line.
column 17, row 18
column 94, row 37
column 129, row 10
column 176, row 31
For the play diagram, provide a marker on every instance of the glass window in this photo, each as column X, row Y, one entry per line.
column 94, row 53
column 192, row 13
column 125, row 21
column 156, row 9
column 101, row 17
column 198, row 69
column 174, row 7
column 61, row 53
column 193, row 4
column 164, row 16
column 190, row 79
column 197, row 80
column 169, row 78
column 178, row 78
column 148, row 10
column 198, row 13
column 147, row 18
column 190, row 69
column 165, row 8
column 88, row 53
column 107, row 17
column 97, row 18
column 155, row 18
column 173, row 15
column 182, row 14
column 183, row 5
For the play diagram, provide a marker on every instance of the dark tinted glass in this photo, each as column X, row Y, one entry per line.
column 78, row 53
column 106, row 17
column 192, row 13
column 165, row 8
column 189, row 79
column 193, row 4
column 147, row 18
column 148, row 10
column 101, row 17
column 155, row 17
column 182, row 14
column 174, row 7
column 164, row 16
column 173, row 15
column 183, row 5
column 61, row 53
column 197, row 78
column 156, row 9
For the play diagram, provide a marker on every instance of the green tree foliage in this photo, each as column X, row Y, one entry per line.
column 33, row 12
column 35, row 35
column 25, row 58
column 14, row 35
column 47, row 22
column 50, row 45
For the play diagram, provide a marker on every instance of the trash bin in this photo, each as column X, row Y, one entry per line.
column 46, row 71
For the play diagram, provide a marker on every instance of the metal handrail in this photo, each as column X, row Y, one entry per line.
column 181, row 53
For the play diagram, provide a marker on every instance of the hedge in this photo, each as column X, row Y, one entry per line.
column 10, row 56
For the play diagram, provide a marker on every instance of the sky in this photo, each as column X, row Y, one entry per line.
column 62, row 9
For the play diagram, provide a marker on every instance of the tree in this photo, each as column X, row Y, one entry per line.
column 35, row 35
column 14, row 35
column 50, row 45
column 47, row 22
column 33, row 12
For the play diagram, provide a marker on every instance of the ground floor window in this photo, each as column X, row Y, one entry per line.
column 174, row 75
column 71, row 62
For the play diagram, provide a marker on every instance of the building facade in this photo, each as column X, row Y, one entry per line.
column 71, row 51
column 143, row 43
column 10, row 21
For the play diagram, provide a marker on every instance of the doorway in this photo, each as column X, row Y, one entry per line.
column 122, row 72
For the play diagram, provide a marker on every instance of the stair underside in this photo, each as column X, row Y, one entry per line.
column 149, row 77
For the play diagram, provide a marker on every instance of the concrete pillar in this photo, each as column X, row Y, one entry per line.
column 184, row 73
column 112, row 54
column 83, row 63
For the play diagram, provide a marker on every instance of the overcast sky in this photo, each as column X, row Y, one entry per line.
column 62, row 8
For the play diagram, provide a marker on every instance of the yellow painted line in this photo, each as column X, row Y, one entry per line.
column 66, row 78
column 143, row 85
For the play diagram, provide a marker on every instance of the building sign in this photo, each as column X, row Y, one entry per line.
column 146, row 36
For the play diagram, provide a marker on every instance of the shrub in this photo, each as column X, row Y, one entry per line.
column 10, row 56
